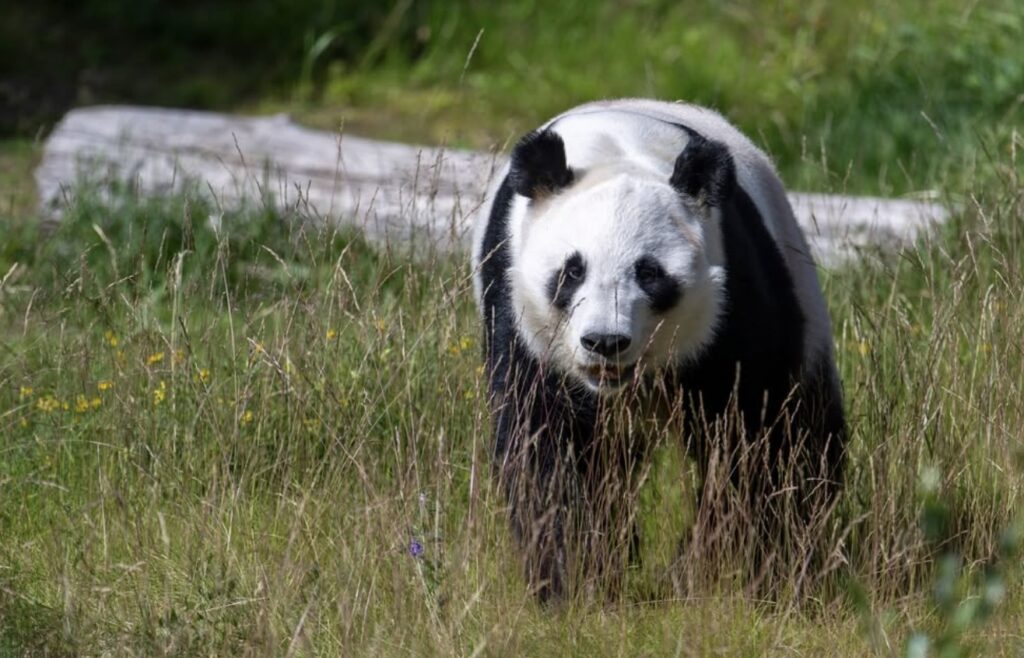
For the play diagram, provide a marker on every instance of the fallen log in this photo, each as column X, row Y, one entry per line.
column 392, row 191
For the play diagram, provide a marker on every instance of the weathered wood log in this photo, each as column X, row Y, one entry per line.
column 391, row 190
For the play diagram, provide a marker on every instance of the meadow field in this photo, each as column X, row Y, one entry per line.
column 243, row 432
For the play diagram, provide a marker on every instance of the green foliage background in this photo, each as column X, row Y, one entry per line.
column 884, row 97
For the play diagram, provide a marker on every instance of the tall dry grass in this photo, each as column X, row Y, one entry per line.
column 213, row 448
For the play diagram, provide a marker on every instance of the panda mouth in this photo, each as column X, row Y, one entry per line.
column 608, row 375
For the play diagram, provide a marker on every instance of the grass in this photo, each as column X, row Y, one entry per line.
column 881, row 97
column 228, row 440
column 17, row 190
column 872, row 97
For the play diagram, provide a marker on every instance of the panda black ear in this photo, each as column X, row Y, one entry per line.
column 538, row 165
column 704, row 171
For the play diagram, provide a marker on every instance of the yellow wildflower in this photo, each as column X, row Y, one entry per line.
column 203, row 376
column 331, row 334
column 111, row 339
column 48, row 404
column 25, row 392
column 160, row 393
column 81, row 404
column 156, row 357
column 462, row 344
column 247, row 417
column 95, row 403
column 104, row 385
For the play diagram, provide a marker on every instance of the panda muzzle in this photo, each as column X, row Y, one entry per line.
column 609, row 373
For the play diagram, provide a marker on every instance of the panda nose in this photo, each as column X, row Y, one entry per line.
column 607, row 345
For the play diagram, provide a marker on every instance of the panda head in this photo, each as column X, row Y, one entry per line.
column 618, row 269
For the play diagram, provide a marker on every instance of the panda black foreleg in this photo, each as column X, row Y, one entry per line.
column 754, row 508
column 541, row 433
column 536, row 483
column 788, row 474
column 814, row 457
column 612, row 467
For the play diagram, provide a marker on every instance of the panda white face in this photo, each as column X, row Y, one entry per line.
column 617, row 274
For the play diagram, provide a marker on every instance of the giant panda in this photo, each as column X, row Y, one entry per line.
column 632, row 246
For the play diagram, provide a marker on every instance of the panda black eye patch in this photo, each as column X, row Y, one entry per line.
column 662, row 290
column 564, row 282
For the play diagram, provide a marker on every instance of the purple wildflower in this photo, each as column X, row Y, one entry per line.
column 415, row 548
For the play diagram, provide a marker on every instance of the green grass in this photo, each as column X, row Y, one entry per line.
column 873, row 97
column 883, row 97
column 17, row 190
column 218, row 441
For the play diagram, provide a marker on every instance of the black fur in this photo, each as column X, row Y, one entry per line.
column 704, row 171
column 538, row 165
column 544, row 427
column 662, row 290
column 564, row 283
column 757, row 351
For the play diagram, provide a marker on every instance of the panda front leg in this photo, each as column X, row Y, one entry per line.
column 572, row 514
column 541, row 431
column 536, row 482
column 768, row 493
column 734, row 442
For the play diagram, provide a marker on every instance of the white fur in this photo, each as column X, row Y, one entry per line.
column 613, row 217
column 624, row 205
